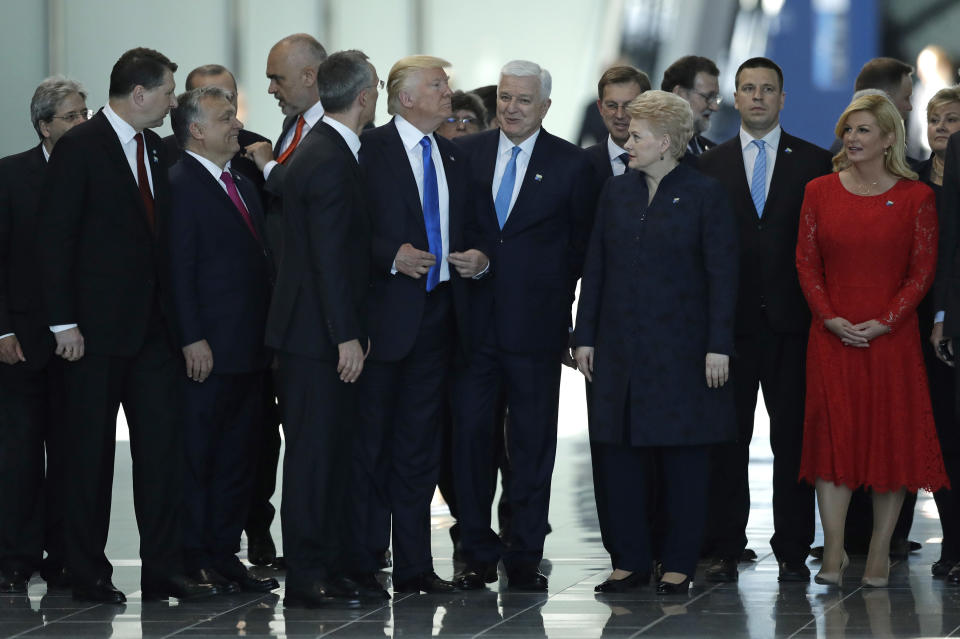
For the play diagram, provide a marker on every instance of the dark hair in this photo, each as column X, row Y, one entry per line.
column 206, row 71
column 758, row 63
column 683, row 72
column 621, row 75
column 189, row 110
column 139, row 67
column 488, row 95
column 469, row 102
column 882, row 73
column 341, row 78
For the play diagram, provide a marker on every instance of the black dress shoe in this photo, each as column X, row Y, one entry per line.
column 953, row 575
column 476, row 576
column 249, row 583
column 369, row 588
column 57, row 579
column 793, row 571
column 633, row 580
column 14, row 582
column 343, row 588
column 817, row 552
column 216, row 578
column 722, row 571
column 748, row 555
column 941, row 567
column 658, row 570
column 667, row 588
column 100, row 591
column 179, row 587
column 427, row 582
column 316, row 595
column 261, row 550
column 529, row 579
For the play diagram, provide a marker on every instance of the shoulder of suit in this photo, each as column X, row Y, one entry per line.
column 21, row 160
column 793, row 143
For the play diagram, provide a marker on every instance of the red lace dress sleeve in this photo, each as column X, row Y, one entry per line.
column 809, row 260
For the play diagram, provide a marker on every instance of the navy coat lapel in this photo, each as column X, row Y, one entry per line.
column 392, row 147
column 113, row 151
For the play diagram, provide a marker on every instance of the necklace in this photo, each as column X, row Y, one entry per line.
column 936, row 170
column 864, row 189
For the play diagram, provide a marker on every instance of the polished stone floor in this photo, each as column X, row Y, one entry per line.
column 915, row 605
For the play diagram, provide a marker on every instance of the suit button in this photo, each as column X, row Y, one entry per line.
column 759, row 227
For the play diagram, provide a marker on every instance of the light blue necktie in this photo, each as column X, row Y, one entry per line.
column 431, row 213
column 505, row 192
column 758, row 186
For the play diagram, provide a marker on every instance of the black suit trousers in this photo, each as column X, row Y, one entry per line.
column 531, row 383
column 267, row 456
column 31, row 482
column 147, row 385
column 398, row 448
column 319, row 419
column 221, row 416
column 775, row 363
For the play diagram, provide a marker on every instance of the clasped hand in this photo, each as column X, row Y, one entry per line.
column 858, row 335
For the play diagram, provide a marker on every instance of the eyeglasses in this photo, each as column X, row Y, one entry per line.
column 379, row 85
column 463, row 121
column 73, row 116
column 710, row 98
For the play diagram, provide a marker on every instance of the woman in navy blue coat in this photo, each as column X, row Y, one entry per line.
column 654, row 334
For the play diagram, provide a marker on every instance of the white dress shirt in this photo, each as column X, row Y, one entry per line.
column 310, row 118
column 410, row 136
column 749, row 149
column 348, row 135
column 614, row 150
column 216, row 172
column 504, row 150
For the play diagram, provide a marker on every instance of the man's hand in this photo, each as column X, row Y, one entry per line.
column 468, row 263
column 936, row 336
column 199, row 360
column 413, row 262
column 69, row 344
column 10, row 351
column 584, row 357
column 717, row 369
column 351, row 360
column 260, row 152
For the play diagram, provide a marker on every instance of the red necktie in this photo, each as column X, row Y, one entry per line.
column 294, row 141
column 143, row 181
column 227, row 179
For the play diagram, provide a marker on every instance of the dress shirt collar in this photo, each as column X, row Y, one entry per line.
column 411, row 135
column 525, row 147
column 312, row 115
column 46, row 154
column 772, row 139
column 614, row 150
column 348, row 135
column 123, row 128
column 215, row 170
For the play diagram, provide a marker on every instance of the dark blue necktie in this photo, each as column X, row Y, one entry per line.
column 431, row 213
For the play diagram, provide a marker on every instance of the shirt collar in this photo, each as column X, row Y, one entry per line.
column 613, row 149
column 46, row 154
column 215, row 170
column 348, row 135
column 772, row 139
column 409, row 134
column 123, row 128
column 313, row 114
column 526, row 146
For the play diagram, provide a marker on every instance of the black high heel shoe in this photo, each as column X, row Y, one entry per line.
column 667, row 588
column 631, row 581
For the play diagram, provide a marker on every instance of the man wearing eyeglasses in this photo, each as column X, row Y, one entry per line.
column 765, row 171
column 30, row 379
column 695, row 79
column 617, row 87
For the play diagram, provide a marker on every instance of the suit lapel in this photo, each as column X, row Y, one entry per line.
column 537, row 168
column 213, row 190
column 114, row 153
column 399, row 163
column 287, row 123
column 781, row 169
column 452, row 171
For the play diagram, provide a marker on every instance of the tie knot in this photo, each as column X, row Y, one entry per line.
column 226, row 177
column 514, row 152
column 425, row 142
column 759, row 144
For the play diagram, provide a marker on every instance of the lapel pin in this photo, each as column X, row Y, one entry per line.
column 676, row 200
column 889, row 202
column 538, row 177
column 788, row 150
column 451, row 158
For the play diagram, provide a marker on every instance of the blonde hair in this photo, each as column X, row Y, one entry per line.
column 943, row 97
column 668, row 114
column 889, row 121
column 403, row 71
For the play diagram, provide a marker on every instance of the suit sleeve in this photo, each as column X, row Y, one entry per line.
column 591, row 287
column 809, row 261
column 62, row 204
column 183, row 267
column 721, row 260
column 948, row 213
column 920, row 271
column 6, row 230
column 328, row 211
column 274, row 184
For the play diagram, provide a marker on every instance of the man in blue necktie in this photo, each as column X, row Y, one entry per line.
column 422, row 262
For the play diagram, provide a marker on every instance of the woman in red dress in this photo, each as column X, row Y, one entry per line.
column 866, row 255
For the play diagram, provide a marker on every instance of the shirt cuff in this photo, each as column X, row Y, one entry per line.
column 938, row 318
column 393, row 268
column 483, row 272
column 267, row 168
column 6, row 335
column 59, row 328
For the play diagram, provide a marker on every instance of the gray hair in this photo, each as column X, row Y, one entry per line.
column 48, row 96
column 525, row 68
column 341, row 78
column 188, row 110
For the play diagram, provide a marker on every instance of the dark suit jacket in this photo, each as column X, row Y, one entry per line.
column 947, row 286
column 101, row 266
column 397, row 301
column 658, row 293
column 239, row 164
column 320, row 297
column 21, row 305
column 600, row 159
column 769, row 288
column 537, row 258
column 220, row 273
column 705, row 144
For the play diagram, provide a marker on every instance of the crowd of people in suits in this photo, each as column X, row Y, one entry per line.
column 399, row 297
